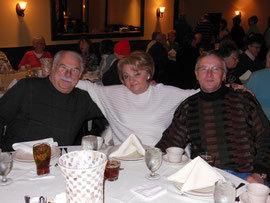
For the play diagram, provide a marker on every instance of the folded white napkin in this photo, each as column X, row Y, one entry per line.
column 197, row 174
column 130, row 147
column 28, row 146
column 12, row 83
column 149, row 191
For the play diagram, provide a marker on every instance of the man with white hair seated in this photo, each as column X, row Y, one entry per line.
column 228, row 124
column 38, row 108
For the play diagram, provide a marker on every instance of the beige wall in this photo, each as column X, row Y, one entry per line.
column 17, row 31
column 195, row 8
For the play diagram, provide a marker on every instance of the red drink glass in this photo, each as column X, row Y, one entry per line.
column 112, row 170
column 42, row 156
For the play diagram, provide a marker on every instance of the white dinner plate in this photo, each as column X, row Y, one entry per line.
column 26, row 157
column 244, row 198
column 204, row 192
column 185, row 159
column 133, row 157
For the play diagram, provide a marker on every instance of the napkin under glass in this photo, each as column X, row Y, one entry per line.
column 128, row 148
column 28, row 146
column 197, row 174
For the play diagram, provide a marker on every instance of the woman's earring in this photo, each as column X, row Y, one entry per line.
column 148, row 77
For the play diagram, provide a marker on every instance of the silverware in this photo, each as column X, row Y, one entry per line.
column 42, row 199
column 237, row 199
column 27, row 199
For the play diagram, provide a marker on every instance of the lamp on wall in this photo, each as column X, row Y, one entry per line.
column 160, row 12
column 20, row 8
column 237, row 13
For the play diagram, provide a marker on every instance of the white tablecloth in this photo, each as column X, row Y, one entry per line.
column 115, row 192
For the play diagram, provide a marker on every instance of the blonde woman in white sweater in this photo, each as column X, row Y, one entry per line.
column 136, row 106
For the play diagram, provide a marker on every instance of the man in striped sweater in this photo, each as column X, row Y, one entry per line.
column 228, row 124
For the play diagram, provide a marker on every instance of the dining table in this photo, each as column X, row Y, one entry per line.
column 132, row 175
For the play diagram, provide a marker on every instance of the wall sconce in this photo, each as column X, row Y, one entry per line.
column 160, row 12
column 20, row 8
column 238, row 13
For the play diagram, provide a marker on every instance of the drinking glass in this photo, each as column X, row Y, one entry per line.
column 153, row 160
column 208, row 158
column 46, row 64
column 42, row 157
column 89, row 142
column 6, row 163
column 224, row 192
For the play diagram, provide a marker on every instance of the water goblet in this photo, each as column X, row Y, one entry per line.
column 89, row 142
column 153, row 160
column 6, row 163
column 224, row 192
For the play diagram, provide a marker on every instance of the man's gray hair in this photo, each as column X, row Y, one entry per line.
column 61, row 53
column 205, row 54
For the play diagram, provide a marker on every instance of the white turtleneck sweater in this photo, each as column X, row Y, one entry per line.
column 146, row 115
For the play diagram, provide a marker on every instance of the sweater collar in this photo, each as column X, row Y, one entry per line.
column 214, row 95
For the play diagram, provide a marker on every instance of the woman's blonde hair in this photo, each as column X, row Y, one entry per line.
column 139, row 60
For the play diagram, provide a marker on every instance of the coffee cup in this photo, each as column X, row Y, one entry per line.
column 257, row 192
column 175, row 154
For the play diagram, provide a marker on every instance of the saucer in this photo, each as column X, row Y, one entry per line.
column 244, row 198
column 185, row 159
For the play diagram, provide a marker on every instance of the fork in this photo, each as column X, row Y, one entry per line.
column 237, row 199
column 27, row 199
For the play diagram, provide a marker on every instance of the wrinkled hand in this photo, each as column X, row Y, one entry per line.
column 240, row 87
column 255, row 178
column 153, row 82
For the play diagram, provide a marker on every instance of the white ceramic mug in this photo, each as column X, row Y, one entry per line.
column 175, row 154
column 257, row 192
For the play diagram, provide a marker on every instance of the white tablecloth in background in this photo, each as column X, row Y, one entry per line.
column 115, row 192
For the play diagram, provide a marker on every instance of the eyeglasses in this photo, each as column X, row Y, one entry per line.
column 235, row 57
column 256, row 47
column 73, row 71
column 214, row 69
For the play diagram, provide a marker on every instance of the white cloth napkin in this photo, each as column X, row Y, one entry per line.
column 12, row 83
column 197, row 174
column 149, row 191
column 131, row 146
column 28, row 146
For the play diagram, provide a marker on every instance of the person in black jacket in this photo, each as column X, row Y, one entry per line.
column 38, row 108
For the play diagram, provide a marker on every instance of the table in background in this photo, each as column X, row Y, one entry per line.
column 118, row 191
column 6, row 78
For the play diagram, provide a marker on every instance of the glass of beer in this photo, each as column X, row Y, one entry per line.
column 112, row 169
column 42, row 157
column 208, row 158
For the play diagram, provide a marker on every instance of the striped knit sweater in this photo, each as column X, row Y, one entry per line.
column 229, row 124
column 146, row 115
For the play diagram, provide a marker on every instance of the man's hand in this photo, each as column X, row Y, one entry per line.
column 255, row 178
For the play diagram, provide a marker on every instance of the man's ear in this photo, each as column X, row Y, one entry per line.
column 224, row 77
column 196, row 73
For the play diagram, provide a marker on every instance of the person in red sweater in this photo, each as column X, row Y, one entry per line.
column 33, row 57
